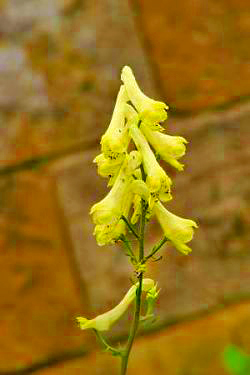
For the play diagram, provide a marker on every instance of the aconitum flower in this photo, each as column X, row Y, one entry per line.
column 170, row 148
column 157, row 180
column 107, row 213
column 108, row 168
column 109, row 209
column 108, row 234
column 151, row 112
column 178, row 230
column 115, row 141
column 105, row 321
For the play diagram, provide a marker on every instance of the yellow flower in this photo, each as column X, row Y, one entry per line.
column 115, row 141
column 109, row 233
column 105, row 321
column 157, row 180
column 170, row 148
column 151, row 112
column 107, row 213
column 108, row 168
column 178, row 230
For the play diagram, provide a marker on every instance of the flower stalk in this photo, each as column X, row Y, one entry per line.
column 138, row 186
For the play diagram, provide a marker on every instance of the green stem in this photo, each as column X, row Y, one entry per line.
column 136, row 319
column 127, row 244
column 105, row 344
column 130, row 226
column 155, row 249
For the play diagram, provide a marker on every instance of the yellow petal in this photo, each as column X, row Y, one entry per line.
column 170, row 148
column 178, row 230
column 115, row 141
column 157, row 179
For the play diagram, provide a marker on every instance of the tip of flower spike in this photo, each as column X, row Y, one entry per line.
column 126, row 69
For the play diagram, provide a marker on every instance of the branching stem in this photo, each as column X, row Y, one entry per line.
column 130, row 226
column 155, row 249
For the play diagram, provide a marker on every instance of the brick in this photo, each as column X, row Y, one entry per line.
column 60, row 66
column 199, row 50
column 40, row 296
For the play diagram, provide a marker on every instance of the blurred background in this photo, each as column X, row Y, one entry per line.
column 60, row 63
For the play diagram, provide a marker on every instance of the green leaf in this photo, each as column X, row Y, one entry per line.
column 236, row 361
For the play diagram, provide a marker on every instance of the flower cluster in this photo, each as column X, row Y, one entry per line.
column 137, row 120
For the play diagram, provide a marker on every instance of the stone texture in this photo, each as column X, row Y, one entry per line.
column 192, row 348
column 60, row 64
column 199, row 50
column 40, row 296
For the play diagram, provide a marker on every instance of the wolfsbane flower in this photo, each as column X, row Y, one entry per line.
column 170, row 148
column 178, row 230
column 107, row 213
column 115, row 141
column 151, row 112
column 108, row 234
column 157, row 180
column 105, row 321
column 110, row 209
column 108, row 168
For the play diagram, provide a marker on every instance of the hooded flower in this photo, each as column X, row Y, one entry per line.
column 151, row 112
column 116, row 139
column 107, row 213
column 178, row 230
column 108, row 168
column 105, row 321
column 170, row 148
column 108, row 234
column 157, row 180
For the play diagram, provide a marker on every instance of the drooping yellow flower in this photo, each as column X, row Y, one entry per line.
column 170, row 148
column 105, row 321
column 108, row 168
column 109, row 233
column 157, row 180
column 115, row 141
column 107, row 213
column 178, row 230
column 151, row 112
column 110, row 208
